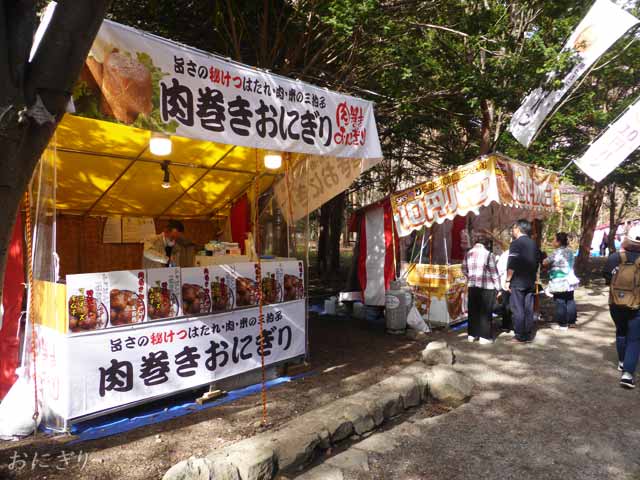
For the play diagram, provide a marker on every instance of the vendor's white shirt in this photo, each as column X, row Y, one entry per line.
column 154, row 254
column 503, row 260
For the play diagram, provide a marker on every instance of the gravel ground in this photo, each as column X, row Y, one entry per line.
column 346, row 356
column 552, row 409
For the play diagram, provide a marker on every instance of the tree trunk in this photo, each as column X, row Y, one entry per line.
column 323, row 237
column 330, row 223
column 487, row 123
column 589, row 217
column 50, row 76
column 337, row 216
column 613, row 224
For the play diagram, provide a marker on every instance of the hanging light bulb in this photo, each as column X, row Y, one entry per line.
column 160, row 144
column 273, row 161
column 166, row 181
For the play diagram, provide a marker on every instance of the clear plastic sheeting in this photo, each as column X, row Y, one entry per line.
column 43, row 211
column 43, row 357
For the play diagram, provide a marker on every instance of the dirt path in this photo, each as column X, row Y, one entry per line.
column 548, row 410
column 347, row 356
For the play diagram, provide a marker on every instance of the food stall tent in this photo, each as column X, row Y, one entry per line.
column 433, row 222
column 103, row 167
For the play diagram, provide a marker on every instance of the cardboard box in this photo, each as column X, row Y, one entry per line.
column 164, row 294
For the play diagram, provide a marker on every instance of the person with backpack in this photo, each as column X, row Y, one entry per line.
column 622, row 274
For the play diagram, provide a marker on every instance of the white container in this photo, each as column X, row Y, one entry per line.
column 395, row 312
column 330, row 306
column 408, row 292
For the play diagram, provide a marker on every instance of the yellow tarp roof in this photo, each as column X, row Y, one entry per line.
column 105, row 168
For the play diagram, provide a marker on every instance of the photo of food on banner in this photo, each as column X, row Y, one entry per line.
column 223, row 288
column 196, row 296
column 164, row 296
column 293, row 273
column 272, row 282
column 246, row 275
column 88, row 301
column 127, row 292
column 122, row 86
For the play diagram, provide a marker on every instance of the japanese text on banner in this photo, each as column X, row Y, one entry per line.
column 614, row 146
column 178, row 90
column 123, row 366
column 300, row 192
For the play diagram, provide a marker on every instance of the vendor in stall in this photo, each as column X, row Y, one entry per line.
column 163, row 249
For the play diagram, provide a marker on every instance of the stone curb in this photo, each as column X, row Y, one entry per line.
column 298, row 441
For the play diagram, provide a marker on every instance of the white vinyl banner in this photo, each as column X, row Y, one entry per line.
column 97, row 371
column 612, row 148
column 374, row 292
column 140, row 79
column 599, row 29
column 314, row 181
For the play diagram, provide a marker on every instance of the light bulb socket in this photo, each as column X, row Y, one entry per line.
column 166, row 179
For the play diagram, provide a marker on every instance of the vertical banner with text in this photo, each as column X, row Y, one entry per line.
column 599, row 29
column 620, row 140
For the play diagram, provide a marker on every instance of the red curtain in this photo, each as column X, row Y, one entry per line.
column 390, row 240
column 13, row 295
column 459, row 224
column 240, row 221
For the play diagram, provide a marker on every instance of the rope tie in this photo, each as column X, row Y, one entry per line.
column 36, row 412
column 260, row 299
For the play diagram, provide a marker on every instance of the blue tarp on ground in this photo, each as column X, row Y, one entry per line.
column 120, row 422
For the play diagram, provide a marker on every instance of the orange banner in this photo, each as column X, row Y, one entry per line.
column 466, row 189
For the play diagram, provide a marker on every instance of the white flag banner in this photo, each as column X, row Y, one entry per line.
column 614, row 146
column 599, row 29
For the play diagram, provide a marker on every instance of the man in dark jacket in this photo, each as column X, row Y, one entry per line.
column 522, row 271
column 627, row 320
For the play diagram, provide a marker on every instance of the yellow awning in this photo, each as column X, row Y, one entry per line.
column 105, row 168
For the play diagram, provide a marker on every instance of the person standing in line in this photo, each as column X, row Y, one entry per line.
column 562, row 281
column 504, row 294
column 621, row 273
column 479, row 266
column 522, row 270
